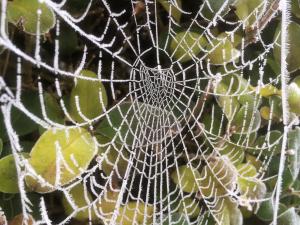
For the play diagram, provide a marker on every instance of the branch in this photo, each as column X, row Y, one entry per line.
column 252, row 32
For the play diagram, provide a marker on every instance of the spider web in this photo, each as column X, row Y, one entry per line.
column 165, row 103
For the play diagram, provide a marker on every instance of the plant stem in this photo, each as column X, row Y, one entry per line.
column 252, row 32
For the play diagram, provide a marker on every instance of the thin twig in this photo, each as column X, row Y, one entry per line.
column 252, row 32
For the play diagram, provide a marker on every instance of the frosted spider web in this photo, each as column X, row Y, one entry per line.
column 165, row 100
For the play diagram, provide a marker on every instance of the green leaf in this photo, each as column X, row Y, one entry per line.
column 294, row 146
column 25, row 13
column 269, row 90
column 112, row 156
column 296, row 8
column 246, row 120
column 137, row 212
column 269, row 144
column 245, row 139
column 218, row 177
column 229, row 104
column 116, row 117
column 222, row 51
column 212, row 121
column 20, row 122
column 241, row 88
column 10, row 204
column 186, row 178
column 266, row 209
column 289, row 217
column 68, row 40
column 175, row 13
column 244, row 8
column 75, row 148
column 208, row 219
column 175, row 219
column 190, row 207
column 187, row 45
column 275, row 105
column 236, row 217
column 228, row 212
column 294, row 96
column 265, row 113
column 250, row 187
column 254, row 161
column 234, row 152
column 90, row 103
column 287, row 179
column 8, row 175
column 212, row 7
column 78, row 195
column 53, row 110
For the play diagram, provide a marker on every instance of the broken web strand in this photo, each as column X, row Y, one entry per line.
column 63, row 14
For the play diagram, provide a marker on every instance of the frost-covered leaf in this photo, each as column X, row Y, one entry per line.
column 266, row 209
column 77, row 193
column 187, row 45
column 175, row 219
column 107, row 203
column 228, row 212
column 190, row 206
column 20, row 122
column 296, row 8
column 218, row 177
column 59, row 156
column 269, row 143
column 222, row 51
column 235, row 152
column 175, row 12
column 229, row 104
column 289, row 217
column 212, row 7
column 248, row 11
column 135, row 211
column 186, row 178
column 91, row 98
column 249, row 185
column 246, row 120
column 117, row 157
column 8, row 175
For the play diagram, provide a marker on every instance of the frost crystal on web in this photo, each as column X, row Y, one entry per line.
column 146, row 112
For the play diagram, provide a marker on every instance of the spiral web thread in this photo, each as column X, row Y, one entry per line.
column 165, row 107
